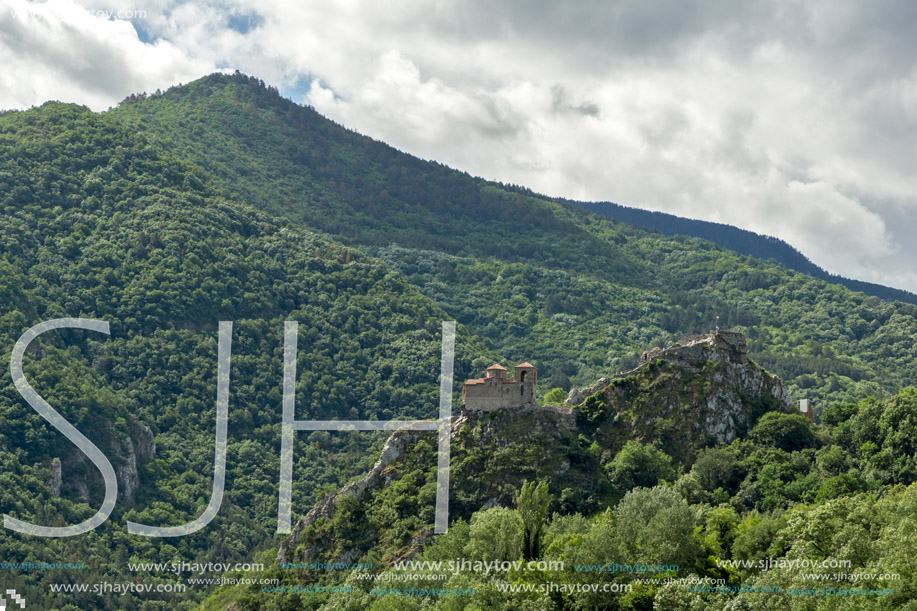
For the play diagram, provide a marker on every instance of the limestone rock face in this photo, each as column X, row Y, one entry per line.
column 146, row 445
column 128, row 476
column 693, row 349
column 703, row 388
column 126, row 451
column 576, row 397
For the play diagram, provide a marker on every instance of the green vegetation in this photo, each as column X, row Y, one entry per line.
column 97, row 223
column 576, row 294
column 743, row 242
column 222, row 201
column 532, row 503
column 751, row 502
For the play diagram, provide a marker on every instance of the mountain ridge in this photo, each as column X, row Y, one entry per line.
column 462, row 241
column 742, row 241
column 210, row 203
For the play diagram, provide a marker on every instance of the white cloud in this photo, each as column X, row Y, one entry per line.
column 789, row 118
column 60, row 50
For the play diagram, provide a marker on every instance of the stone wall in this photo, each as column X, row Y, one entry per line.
column 492, row 393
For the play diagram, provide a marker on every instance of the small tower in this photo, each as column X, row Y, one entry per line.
column 526, row 378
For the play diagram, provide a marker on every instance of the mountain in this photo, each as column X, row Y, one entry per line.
column 690, row 396
column 98, row 223
column 740, row 479
column 743, row 242
column 221, row 201
column 536, row 279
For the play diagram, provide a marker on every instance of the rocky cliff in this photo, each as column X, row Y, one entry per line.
column 699, row 391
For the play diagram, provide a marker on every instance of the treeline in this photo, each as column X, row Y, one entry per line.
column 743, row 516
column 743, row 242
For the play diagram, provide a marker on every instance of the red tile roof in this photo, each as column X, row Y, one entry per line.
column 527, row 364
column 496, row 366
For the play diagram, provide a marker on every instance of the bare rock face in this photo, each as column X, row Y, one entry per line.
column 692, row 349
column 128, row 476
column 82, row 490
column 140, row 446
column 703, row 388
column 146, row 445
column 576, row 397
column 125, row 450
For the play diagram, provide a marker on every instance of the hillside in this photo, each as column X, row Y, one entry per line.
column 578, row 294
column 98, row 223
column 739, row 478
column 743, row 242
column 221, row 201
column 683, row 404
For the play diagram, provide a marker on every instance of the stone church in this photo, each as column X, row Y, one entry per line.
column 495, row 390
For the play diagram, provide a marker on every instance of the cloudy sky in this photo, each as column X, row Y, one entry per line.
column 794, row 119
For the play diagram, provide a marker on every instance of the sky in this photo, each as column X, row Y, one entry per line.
column 792, row 119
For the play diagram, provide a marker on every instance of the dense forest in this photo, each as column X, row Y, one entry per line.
column 728, row 530
column 221, row 201
column 98, row 224
column 741, row 241
column 536, row 279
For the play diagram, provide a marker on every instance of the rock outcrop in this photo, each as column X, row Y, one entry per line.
column 126, row 451
column 693, row 349
column 576, row 396
column 128, row 476
column 701, row 390
column 56, row 478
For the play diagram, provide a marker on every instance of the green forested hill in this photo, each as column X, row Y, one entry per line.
column 220, row 200
column 743, row 242
column 576, row 294
column 96, row 222
column 624, row 504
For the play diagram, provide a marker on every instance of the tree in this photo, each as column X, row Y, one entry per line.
column 639, row 465
column 495, row 534
column 656, row 526
column 789, row 432
column 532, row 503
column 717, row 468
